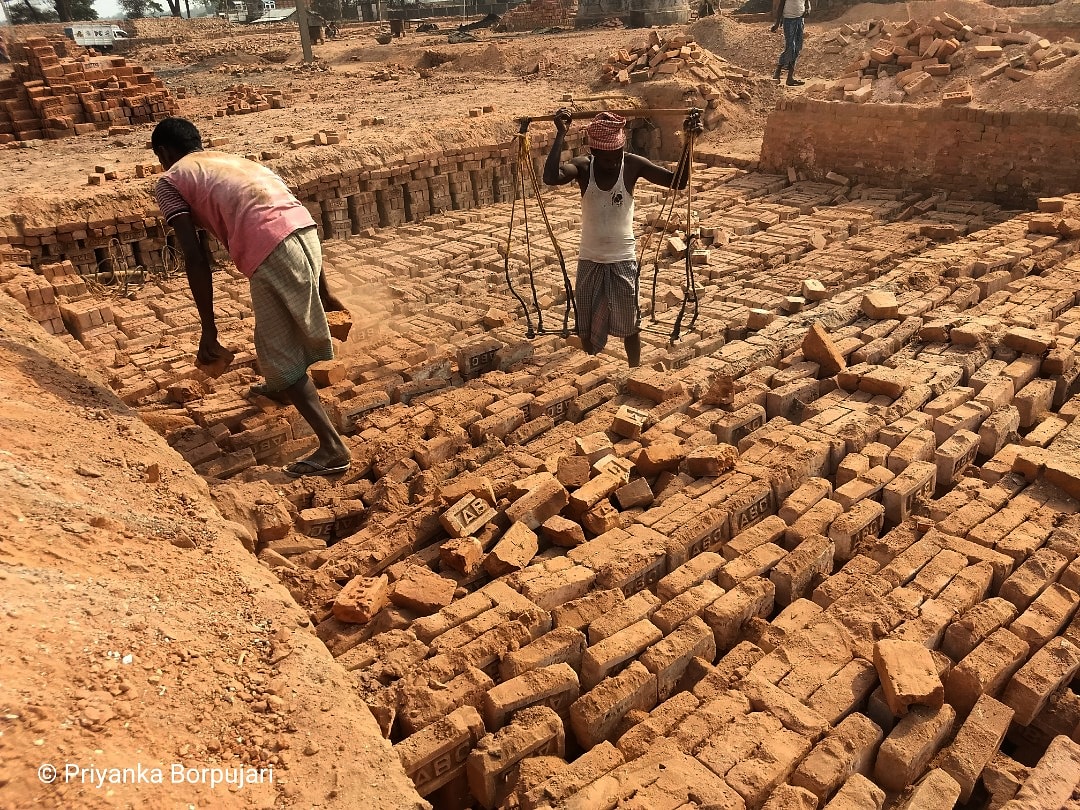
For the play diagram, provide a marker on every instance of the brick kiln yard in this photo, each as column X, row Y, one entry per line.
column 823, row 551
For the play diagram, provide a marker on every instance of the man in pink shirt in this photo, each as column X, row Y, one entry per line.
column 272, row 240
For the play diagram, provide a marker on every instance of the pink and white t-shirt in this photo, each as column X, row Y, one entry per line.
column 247, row 207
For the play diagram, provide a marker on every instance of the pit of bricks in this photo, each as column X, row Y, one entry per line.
column 821, row 551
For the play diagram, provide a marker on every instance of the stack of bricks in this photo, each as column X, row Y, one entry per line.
column 915, row 53
column 50, row 96
column 719, row 80
column 821, row 552
column 242, row 99
column 534, row 14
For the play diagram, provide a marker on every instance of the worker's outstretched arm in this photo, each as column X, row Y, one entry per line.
column 200, row 281
column 557, row 173
column 661, row 176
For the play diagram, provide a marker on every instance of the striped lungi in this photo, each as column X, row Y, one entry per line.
column 606, row 298
column 291, row 331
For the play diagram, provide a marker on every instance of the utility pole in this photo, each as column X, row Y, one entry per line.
column 305, row 33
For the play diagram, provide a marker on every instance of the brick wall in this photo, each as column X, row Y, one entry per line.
column 342, row 203
column 1009, row 158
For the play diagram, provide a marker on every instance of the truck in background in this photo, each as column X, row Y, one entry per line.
column 100, row 36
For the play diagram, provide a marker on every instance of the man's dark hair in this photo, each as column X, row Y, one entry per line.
column 177, row 134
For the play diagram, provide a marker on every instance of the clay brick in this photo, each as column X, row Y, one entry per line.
column 661, row 722
column 847, row 749
column 964, row 634
column 1048, row 670
column 467, row 516
column 422, row 591
column 752, row 597
column 492, row 767
column 789, row 797
column 582, row 499
column 854, row 528
column 879, row 305
column 795, row 715
column 908, row 676
column 755, row 777
column 668, row 658
column 422, row 705
column 587, row 768
column 595, row 715
column 955, row 456
column 629, row 422
column 1029, row 580
column 756, row 563
column 735, row 737
column 936, row 789
column 1046, row 617
column 985, row 670
column 615, row 466
column 911, row 745
column 560, row 531
column 554, row 686
column 857, row 793
column 794, row 575
column 361, row 599
column 636, row 493
column 691, row 602
column 816, row 522
column 819, row 348
column 711, row 461
column 436, row 755
column 580, row 613
column 657, row 458
column 903, row 495
column 802, row 499
column 769, row 530
column 638, row 607
column 551, row 588
column 574, row 471
column 562, row 645
column 514, row 551
column 609, row 655
column 700, row 568
column 845, row 691
column 1050, row 783
column 975, row 743
column 547, row 497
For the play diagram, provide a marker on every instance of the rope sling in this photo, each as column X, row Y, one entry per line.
column 527, row 180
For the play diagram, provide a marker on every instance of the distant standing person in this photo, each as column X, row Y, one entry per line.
column 606, row 287
column 272, row 240
column 789, row 14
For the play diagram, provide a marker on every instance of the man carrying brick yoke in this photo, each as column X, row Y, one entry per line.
column 272, row 240
column 606, row 287
column 789, row 14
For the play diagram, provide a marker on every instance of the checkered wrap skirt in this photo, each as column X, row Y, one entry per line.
column 291, row 331
column 606, row 298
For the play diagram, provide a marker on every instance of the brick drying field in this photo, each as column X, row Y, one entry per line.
column 823, row 551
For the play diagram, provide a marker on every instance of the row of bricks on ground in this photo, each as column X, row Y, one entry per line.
column 457, row 319
column 621, row 628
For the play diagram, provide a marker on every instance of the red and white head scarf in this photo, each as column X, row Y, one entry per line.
column 606, row 132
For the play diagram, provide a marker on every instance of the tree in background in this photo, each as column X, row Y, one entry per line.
column 134, row 9
column 52, row 11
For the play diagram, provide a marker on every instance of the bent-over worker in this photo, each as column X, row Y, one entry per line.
column 273, row 241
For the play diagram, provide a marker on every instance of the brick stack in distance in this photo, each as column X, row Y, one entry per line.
column 49, row 96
